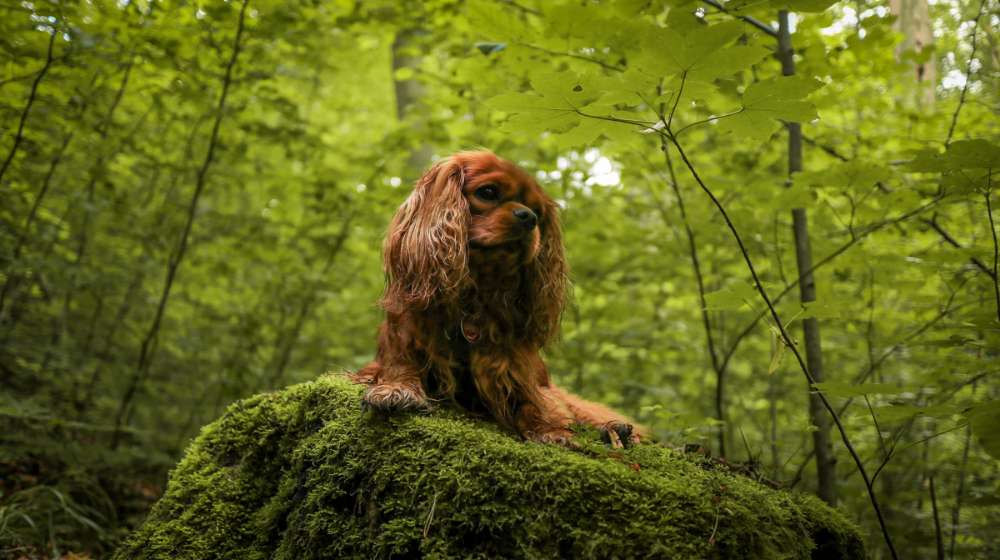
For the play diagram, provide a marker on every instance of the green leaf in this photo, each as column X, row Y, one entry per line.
column 670, row 51
column 768, row 100
column 854, row 174
column 902, row 412
column 963, row 154
column 984, row 419
column 730, row 298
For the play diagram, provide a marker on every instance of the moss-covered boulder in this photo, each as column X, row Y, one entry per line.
column 303, row 473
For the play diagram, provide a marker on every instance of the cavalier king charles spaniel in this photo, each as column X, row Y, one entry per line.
column 476, row 284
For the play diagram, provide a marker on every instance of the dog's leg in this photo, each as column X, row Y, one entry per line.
column 512, row 386
column 392, row 387
column 599, row 416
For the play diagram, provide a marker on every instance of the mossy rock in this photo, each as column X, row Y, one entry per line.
column 304, row 473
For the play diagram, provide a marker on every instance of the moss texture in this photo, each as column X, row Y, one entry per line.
column 303, row 473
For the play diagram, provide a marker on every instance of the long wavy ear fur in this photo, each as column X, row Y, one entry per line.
column 426, row 249
column 548, row 283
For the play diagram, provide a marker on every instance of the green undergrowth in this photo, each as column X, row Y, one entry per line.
column 304, row 473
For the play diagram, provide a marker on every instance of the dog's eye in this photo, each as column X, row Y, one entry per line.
column 488, row 192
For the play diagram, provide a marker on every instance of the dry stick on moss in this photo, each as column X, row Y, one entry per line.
column 968, row 74
column 788, row 340
column 145, row 352
column 27, row 106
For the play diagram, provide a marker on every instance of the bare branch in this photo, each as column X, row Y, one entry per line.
column 993, row 232
column 767, row 29
column 780, row 325
column 27, row 106
column 148, row 344
column 968, row 74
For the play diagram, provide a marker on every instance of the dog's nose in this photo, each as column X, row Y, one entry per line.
column 526, row 218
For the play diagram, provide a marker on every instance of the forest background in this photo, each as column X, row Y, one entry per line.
column 193, row 196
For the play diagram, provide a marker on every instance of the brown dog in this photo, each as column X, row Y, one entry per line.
column 476, row 286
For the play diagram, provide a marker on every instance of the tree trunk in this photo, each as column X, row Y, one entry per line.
column 146, row 351
column 825, row 459
column 409, row 91
column 914, row 22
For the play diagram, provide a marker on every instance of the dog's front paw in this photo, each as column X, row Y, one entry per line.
column 557, row 436
column 619, row 434
column 391, row 397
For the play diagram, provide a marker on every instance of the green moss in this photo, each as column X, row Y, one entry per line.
column 302, row 473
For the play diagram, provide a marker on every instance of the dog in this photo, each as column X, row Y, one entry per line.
column 476, row 281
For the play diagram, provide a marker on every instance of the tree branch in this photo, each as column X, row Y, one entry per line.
column 954, row 243
column 996, row 245
column 767, row 29
column 779, row 324
column 27, row 106
column 146, row 350
column 600, row 63
column 968, row 74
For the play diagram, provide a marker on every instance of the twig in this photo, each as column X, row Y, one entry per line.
column 706, row 320
column 862, row 233
column 710, row 119
column 28, row 104
column 677, row 100
column 752, row 21
column 939, row 540
column 830, row 150
column 968, row 74
column 600, row 63
column 788, row 342
column 960, row 491
column 146, row 350
column 954, row 243
column 996, row 245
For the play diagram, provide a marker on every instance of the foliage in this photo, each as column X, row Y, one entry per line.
column 345, row 484
column 192, row 198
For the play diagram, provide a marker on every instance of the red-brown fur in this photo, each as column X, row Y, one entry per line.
column 472, row 296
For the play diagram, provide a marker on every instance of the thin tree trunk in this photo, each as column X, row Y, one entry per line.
column 956, row 511
column 59, row 326
column 825, row 459
column 105, row 353
column 914, row 23
column 10, row 284
column 409, row 91
column 306, row 304
column 938, row 539
column 19, row 135
column 146, row 349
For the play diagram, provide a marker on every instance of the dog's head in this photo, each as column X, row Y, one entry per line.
column 475, row 204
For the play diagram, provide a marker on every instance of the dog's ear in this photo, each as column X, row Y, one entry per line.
column 548, row 282
column 426, row 249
